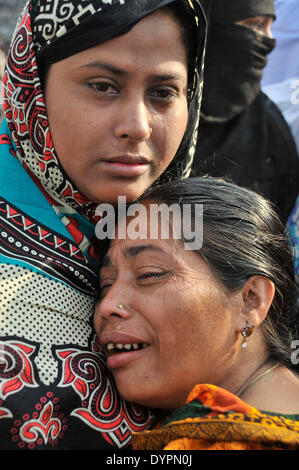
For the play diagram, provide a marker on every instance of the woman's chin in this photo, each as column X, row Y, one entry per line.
column 117, row 196
column 130, row 395
column 149, row 401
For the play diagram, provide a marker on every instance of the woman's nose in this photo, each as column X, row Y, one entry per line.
column 113, row 304
column 135, row 121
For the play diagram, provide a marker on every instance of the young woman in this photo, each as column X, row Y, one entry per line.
column 214, row 327
column 100, row 99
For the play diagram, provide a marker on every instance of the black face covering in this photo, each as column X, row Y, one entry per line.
column 242, row 134
column 235, row 59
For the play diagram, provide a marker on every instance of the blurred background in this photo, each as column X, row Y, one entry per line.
column 9, row 13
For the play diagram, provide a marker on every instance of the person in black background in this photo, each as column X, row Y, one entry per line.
column 242, row 133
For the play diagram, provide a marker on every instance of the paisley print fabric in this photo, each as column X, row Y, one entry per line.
column 26, row 115
column 40, row 30
column 55, row 389
column 54, row 383
column 67, row 20
column 215, row 419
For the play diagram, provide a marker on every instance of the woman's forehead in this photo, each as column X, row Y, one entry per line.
column 142, row 48
column 128, row 249
column 59, row 24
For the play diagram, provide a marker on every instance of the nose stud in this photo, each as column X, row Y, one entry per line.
column 121, row 306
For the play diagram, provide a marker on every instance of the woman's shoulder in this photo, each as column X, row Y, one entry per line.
column 212, row 416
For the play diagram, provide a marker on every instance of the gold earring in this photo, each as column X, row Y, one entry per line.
column 247, row 331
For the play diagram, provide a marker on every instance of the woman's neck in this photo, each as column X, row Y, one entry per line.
column 276, row 391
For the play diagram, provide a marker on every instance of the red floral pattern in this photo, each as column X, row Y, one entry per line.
column 45, row 426
column 16, row 370
column 102, row 409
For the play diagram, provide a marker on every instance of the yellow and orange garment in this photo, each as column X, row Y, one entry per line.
column 215, row 419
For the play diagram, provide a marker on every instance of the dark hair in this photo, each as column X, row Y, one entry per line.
column 242, row 236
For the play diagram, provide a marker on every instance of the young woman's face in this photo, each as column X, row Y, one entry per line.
column 118, row 111
column 157, row 294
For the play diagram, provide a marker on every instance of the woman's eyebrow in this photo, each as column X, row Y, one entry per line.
column 132, row 252
column 105, row 66
column 118, row 71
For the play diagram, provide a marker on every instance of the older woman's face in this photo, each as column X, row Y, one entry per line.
column 118, row 111
column 164, row 299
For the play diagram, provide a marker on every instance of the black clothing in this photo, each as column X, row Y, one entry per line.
column 242, row 134
column 255, row 150
column 235, row 59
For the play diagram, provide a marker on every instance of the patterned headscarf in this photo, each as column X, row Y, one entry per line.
column 49, row 31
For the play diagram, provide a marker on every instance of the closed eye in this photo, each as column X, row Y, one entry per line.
column 103, row 289
column 152, row 275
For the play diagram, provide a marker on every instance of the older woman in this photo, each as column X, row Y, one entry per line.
column 214, row 327
column 101, row 98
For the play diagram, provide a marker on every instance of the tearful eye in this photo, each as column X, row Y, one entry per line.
column 166, row 94
column 104, row 87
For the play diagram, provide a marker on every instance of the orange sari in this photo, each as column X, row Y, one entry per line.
column 214, row 419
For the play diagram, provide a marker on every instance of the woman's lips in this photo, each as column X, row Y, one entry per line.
column 121, row 359
column 121, row 348
column 125, row 166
